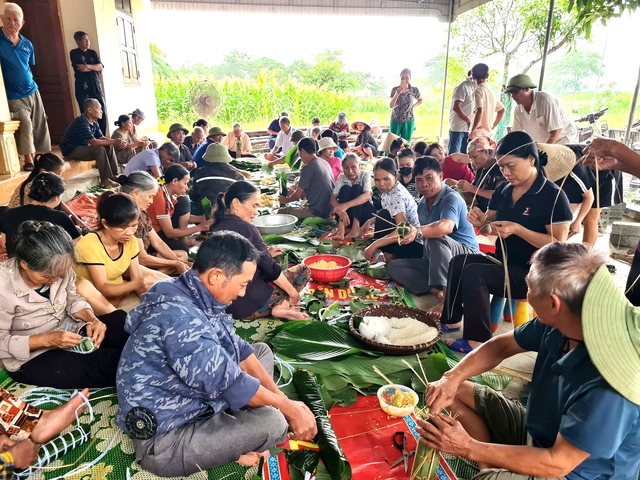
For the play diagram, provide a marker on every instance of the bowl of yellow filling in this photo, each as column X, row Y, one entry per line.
column 327, row 268
column 397, row 400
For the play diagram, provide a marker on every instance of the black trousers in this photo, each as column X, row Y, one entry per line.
column 81, row 96
column 183, row 207
column 471, row 280
column 362, row 212
column 413, row 250
column 633, row 294
column 61, row 369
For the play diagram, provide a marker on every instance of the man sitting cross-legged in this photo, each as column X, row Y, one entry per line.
column 582, row 419
column 191, row 393
column 445, row 230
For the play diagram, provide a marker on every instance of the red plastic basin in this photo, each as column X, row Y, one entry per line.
column 328, row 275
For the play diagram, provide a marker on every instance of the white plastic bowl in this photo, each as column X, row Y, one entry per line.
column 387, row 391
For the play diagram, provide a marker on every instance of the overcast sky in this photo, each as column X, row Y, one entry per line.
column 383, row 49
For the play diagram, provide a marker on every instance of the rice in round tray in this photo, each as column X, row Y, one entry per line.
column 409, row 331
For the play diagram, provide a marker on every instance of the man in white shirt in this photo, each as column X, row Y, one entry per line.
column 487, row 108
column 283, row 142
column 539, row 114
column 460, row 115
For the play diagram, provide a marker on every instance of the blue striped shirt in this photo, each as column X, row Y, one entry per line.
column 78, row 134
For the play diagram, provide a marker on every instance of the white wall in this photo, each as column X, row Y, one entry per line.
column 98, row 19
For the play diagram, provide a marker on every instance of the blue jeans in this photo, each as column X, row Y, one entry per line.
column 458, row 142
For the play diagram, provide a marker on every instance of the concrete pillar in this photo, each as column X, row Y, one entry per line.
column 9, row 160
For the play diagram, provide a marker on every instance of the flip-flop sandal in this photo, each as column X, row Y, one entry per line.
column 28, row 167
column 460, row 345
column 447, row 329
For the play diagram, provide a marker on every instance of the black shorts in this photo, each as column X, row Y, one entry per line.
column 609, row 190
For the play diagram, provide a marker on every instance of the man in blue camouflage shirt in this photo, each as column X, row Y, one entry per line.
column 191, row 393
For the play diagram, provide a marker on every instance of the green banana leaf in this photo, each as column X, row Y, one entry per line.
column 316, row 341
column 315, row 221
column 275, row 238
column 331, row 453
column 300, row 462
column 351, row 252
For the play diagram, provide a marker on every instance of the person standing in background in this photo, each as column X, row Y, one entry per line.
column 274, row 128
column 25, row 104
column 487, row 109
column 460, row 115
column 402, row 103
column 87, row 68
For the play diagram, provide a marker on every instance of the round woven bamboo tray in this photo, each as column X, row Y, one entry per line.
column 397, row 311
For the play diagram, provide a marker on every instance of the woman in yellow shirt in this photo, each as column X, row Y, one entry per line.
column 108, row 257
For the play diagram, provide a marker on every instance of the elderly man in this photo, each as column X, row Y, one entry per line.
column 487, row 111
column 191, row 393
column 445, row 233
column 238, row 142
column 283, row 142
column 137, row 117
column 177, row 134
column 153, row 160
column 83, row 140
column 582, row 419
column 539, row 114
column 214, row 135
column 25, row 104
column 87, row 68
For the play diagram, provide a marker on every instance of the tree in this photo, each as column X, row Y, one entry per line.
column 514, row 29
column 573, row 72
column 456, row 72
column 588, row 11
column 159, row 64
column 328, row 72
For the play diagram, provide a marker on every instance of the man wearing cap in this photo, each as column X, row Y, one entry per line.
column 214, row 135
column 487, row 108
column 152, row 160
column 87, row 68
column 177, row 133
column 283, row 141
column 582, row 419
column 25, row 104
column 238, row 142
column 83, row 140
column 460, row 115
column 539, row 114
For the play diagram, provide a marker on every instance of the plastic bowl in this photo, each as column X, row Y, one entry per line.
column 276, row 223
column 384, row 396
column 328, row 275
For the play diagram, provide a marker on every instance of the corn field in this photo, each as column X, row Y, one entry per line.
column 260, row 100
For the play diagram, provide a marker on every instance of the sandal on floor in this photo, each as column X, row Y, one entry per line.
column 460, row 345
column 28, row 167
column 447, row 329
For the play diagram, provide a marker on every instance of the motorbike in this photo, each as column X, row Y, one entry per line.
column 595, row 128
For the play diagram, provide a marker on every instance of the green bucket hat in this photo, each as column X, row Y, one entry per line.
column 611, row 329
column 213, row 131
column 217, row 153
column 519, row 81
column 175, row 127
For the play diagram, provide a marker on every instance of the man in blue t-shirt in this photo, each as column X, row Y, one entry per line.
column 582, row 420
column 445, row 231
column 16, row 59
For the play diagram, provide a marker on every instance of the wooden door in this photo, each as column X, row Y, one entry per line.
column 43, row 28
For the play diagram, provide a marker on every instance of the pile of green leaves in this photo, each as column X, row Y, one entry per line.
column 246, row 165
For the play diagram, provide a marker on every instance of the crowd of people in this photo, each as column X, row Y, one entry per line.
column 193, row 395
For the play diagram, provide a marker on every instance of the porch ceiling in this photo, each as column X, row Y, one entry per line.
column 387, row 8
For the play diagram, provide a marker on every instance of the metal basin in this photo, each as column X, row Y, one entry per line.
column 276, row 223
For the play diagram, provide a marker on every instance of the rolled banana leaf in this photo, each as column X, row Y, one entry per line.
column 282, row 179
column 331, row 453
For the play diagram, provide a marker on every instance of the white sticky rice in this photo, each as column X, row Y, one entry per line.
column 409, row 331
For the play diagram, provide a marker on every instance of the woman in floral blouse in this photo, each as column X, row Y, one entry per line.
column 404, row 98
column 398, row 206
column 42, row 316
